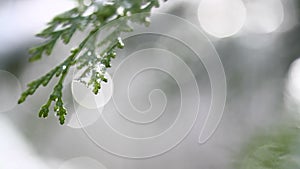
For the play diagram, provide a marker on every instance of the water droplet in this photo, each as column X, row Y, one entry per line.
column 97, row 68
column 61, row 27
column 120, row 11
column 73, row 49
column 74, row 15
column 128, row 13
column 108, row 3
column 120, row 43
column 98, row 55
column 145, row 5
column 87, row 2
column 102, row 68
column 89, row 11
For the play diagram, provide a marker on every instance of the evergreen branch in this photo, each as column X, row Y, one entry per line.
column 272, row 151
column 85, row 55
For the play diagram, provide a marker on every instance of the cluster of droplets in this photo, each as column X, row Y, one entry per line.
column 94, row 75
column 56, row 95
column 59, row 109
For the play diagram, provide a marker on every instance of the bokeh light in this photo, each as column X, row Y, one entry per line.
column 264, row 16
column 83, row 117
column 293, row 84
column 221, row 18
column 86, row 98
column 10, row 90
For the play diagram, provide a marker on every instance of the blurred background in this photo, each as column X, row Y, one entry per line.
column 257, row 42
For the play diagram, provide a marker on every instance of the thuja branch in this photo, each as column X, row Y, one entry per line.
column 86, row 55
column 272, row 150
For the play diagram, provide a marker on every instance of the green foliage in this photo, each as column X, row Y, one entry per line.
column 86, row 56
column 277, row 150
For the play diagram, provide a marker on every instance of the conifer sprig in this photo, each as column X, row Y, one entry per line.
column 87, row 55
